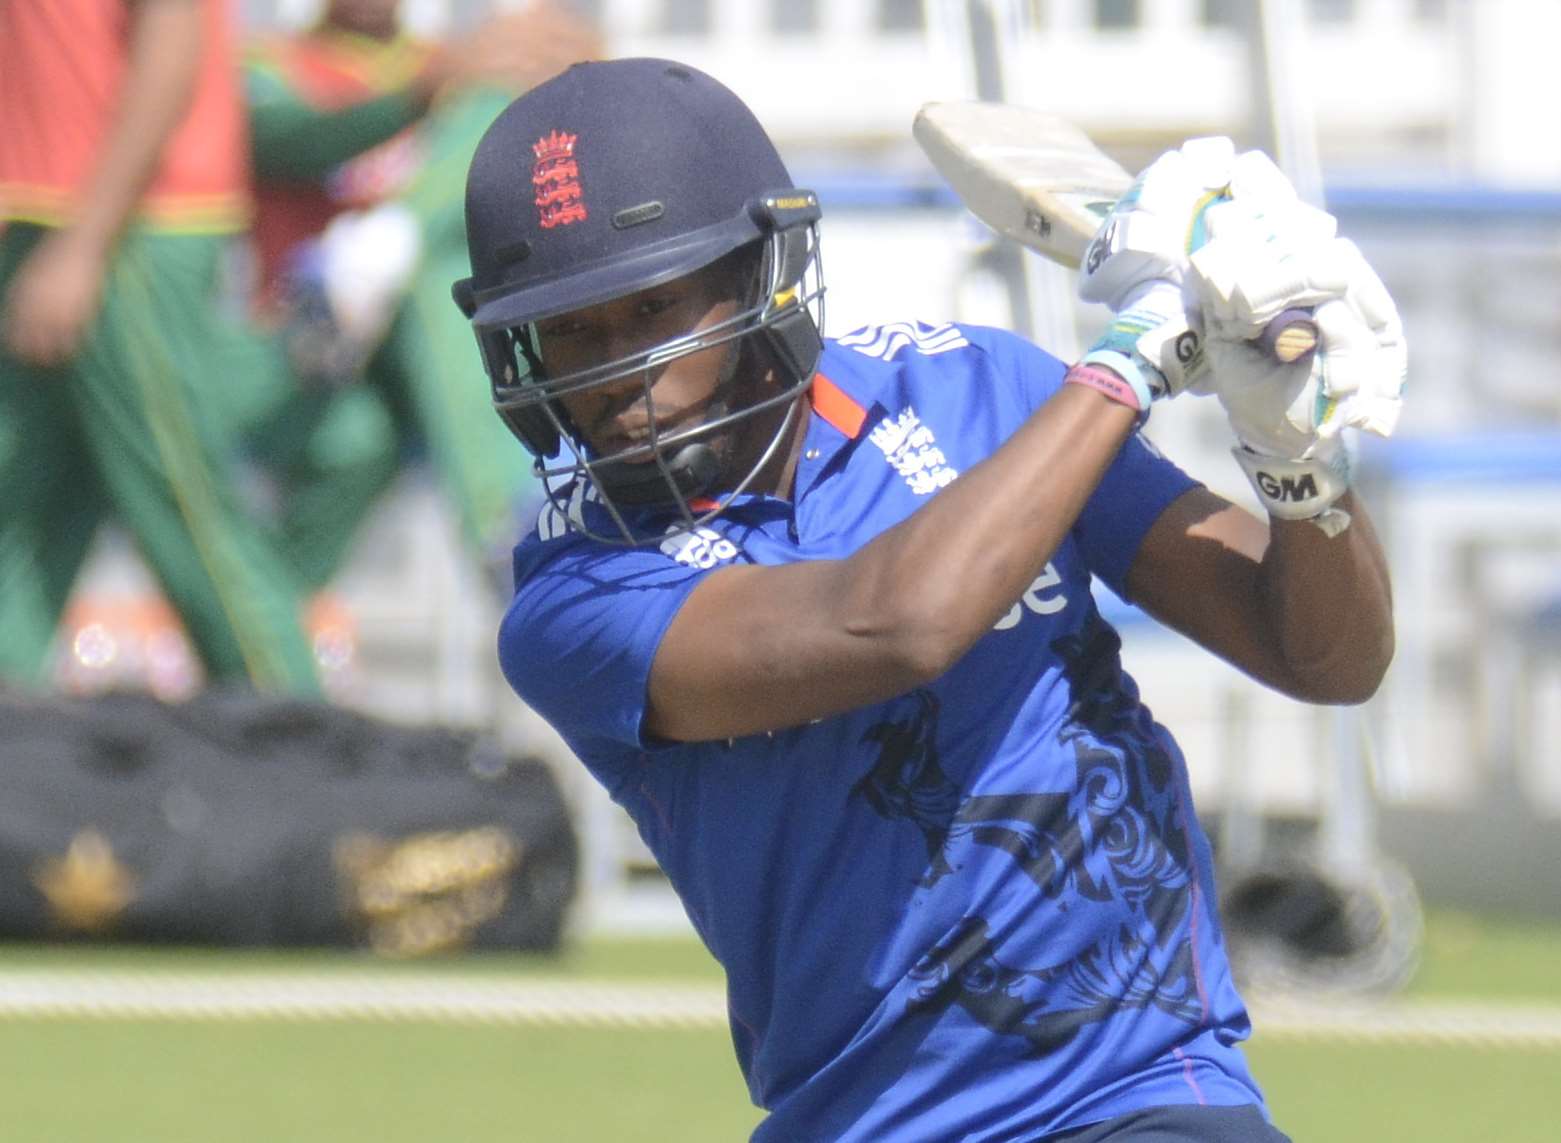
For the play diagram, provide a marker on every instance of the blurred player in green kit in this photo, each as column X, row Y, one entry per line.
column 361, row 137
column 122, row 178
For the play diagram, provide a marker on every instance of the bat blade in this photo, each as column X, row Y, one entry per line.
column 1038, row 179
column 1031, row 176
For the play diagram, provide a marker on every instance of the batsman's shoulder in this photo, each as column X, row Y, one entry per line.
column 548, row 539
column 874, row 354
column 906, row 341
column 981, row 353
column 897, row 341
column 1008, row 348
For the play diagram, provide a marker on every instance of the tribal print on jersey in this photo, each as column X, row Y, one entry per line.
column 1113, row 840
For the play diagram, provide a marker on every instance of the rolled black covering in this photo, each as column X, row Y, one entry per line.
column 237, row 819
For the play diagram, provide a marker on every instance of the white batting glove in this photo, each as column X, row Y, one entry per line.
column 1150, row 344
column 1137, row 262
column 1265, row 257
column 1262, row 251
column 1154, row 226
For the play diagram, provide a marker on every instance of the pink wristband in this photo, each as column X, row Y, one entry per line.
column 1104, row 381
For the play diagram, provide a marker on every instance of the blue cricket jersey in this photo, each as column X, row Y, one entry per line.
column 983, row 910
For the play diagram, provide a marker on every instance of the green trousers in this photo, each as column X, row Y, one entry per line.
column 130, row 428
column 319, row 456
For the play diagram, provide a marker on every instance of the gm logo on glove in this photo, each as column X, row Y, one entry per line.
column 1295, row 490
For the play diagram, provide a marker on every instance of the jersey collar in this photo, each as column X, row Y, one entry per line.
column 838, row 420
column 837, row 408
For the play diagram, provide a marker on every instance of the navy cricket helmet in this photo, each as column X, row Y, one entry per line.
column 611, row 178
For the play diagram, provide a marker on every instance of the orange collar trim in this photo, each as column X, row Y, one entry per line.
column 832, row 403
column 837, row 407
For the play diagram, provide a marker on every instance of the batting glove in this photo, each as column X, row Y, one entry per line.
column 1262, row 258
column 1137, row 263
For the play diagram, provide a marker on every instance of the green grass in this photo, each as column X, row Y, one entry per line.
column 1344, row 1093
column 643, row 959
column 239, row 1083
column 1489, row 958
column 115, row 1081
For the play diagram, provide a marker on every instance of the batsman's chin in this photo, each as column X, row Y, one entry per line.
column 640, row 443
column 627, row 450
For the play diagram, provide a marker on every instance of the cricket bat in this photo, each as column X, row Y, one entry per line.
column 1038, row 179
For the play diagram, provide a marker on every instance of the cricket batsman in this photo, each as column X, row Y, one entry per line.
column 817, row 612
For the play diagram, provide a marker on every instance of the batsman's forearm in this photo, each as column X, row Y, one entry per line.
column 949, row 572
column 764, row 647
column 1329, row 604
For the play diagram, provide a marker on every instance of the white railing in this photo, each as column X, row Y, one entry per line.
column 846, row 79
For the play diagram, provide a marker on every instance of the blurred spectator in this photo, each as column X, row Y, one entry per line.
column 122, row 179
column 361, row 139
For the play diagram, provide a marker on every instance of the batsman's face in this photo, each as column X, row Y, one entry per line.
column 662, row 398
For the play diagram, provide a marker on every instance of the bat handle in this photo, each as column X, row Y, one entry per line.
column 1290, row 336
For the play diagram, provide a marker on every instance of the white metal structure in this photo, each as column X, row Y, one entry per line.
column 1421, row 77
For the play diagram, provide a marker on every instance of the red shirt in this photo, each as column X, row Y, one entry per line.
column 62, row 63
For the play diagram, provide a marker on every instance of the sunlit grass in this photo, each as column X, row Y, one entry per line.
column 304, row 1080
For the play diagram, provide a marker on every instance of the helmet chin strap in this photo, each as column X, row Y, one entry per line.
column 689, row 472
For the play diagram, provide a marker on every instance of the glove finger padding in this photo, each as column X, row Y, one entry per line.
column 1256, row 180
column 1364, row 358
column 1248, row 274
column 1146, row 236
column 1355, row 380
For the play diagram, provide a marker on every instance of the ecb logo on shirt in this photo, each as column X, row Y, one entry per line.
column 910, row 449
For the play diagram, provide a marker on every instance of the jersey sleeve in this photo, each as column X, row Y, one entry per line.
column 1139, row 485
column 1033, row 373
column 581, row 633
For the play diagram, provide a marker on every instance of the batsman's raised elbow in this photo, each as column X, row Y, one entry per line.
column 1350, row 676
